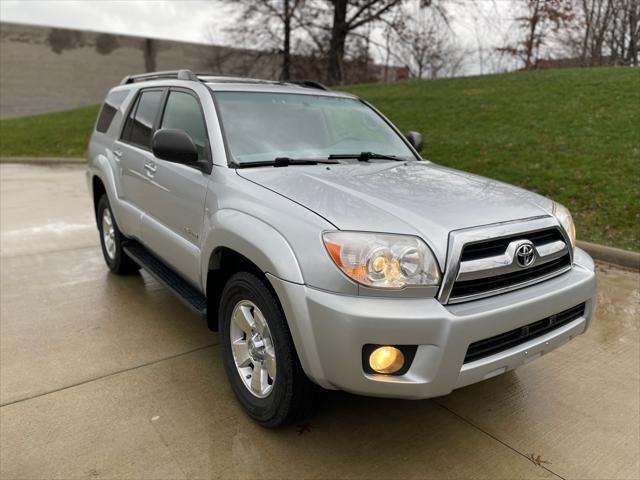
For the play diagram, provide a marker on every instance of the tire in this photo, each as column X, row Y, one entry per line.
column 114, row 256
column 288, row 397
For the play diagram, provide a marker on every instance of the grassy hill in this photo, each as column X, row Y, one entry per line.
column 573, row 135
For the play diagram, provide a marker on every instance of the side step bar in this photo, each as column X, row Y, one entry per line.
column 189, row 295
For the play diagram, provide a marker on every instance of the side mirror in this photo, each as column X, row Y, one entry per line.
column 174, row 145
column 415, row 139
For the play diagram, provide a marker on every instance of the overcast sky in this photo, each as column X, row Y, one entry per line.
column 188, row 20
column 204, row 20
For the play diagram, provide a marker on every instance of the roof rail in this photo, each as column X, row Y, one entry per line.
column 310, row 84
column 183, row 74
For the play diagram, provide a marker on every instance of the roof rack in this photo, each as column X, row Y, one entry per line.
column 183, row 74
column 309, row 84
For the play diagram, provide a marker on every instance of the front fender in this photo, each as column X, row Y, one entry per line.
column 256, row 240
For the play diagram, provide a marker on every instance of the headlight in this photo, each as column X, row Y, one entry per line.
column 382, row 260
column 564, row 217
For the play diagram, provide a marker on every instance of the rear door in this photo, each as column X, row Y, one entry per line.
column 174, row 200
column 133, row 150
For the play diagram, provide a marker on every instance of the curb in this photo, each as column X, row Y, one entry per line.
column 617, row 256
column 43, row 160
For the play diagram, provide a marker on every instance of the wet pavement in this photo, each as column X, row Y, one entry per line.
column 111, row 377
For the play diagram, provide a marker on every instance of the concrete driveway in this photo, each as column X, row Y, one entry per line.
column 111, row 377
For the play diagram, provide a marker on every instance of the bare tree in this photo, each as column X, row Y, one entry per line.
column 605, row 32
column 539, row 23
column 345, row 19
column 304, row 31
column 624, row 38
column 269, row 25
column 422, row 39
column 598, row 16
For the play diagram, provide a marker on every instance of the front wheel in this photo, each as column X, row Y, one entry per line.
column 258, row 353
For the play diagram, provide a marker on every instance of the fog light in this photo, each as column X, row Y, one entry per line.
column 386, row 360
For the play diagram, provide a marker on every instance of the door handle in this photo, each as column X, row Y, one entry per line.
column 150, row 167
column 117, row 154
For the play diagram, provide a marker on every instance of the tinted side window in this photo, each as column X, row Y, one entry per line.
column 183, row 112
column 109, row 109
column 139, row 127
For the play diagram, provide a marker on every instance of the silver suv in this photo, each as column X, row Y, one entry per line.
column 307, row 230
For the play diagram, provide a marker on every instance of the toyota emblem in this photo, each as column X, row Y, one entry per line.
column 525, row 254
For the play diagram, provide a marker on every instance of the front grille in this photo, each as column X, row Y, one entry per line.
column 504, row 341
column 489, row 248
column 474, row 287
column 494, row 281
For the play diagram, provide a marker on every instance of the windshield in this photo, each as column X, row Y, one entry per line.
column 264, row 126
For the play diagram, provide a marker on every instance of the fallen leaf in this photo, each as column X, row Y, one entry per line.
column 304, row 428
column 537, row 459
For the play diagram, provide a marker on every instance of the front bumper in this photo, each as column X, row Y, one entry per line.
column 329, row 331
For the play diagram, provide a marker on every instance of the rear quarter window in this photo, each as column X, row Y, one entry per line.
column 109, row 108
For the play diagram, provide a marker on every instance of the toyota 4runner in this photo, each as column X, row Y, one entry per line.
column 308, row 231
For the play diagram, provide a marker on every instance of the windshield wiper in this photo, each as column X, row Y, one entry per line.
column 366, row 156
column 284, row 162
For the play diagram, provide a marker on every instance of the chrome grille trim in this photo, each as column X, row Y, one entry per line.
column 460, row 238
column 505, row 263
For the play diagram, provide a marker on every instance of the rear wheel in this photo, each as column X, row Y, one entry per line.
column 258, row 354
column 111, row 241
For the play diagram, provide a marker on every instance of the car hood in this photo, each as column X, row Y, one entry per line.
column 415, row 198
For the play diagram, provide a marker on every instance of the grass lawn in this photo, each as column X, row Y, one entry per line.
column 573, row 135
column 60, row 134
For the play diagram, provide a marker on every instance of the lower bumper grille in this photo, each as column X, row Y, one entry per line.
column 504, row 341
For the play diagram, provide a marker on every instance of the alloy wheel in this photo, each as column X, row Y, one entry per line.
column 252, row 348
column 108, row 234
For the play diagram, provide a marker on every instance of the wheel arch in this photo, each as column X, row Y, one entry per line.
column 240, row 242
column 103, row 180
column 223, row 263
column 97, row 189
column 252, row 238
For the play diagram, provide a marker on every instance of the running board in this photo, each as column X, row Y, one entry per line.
column 159, row 270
